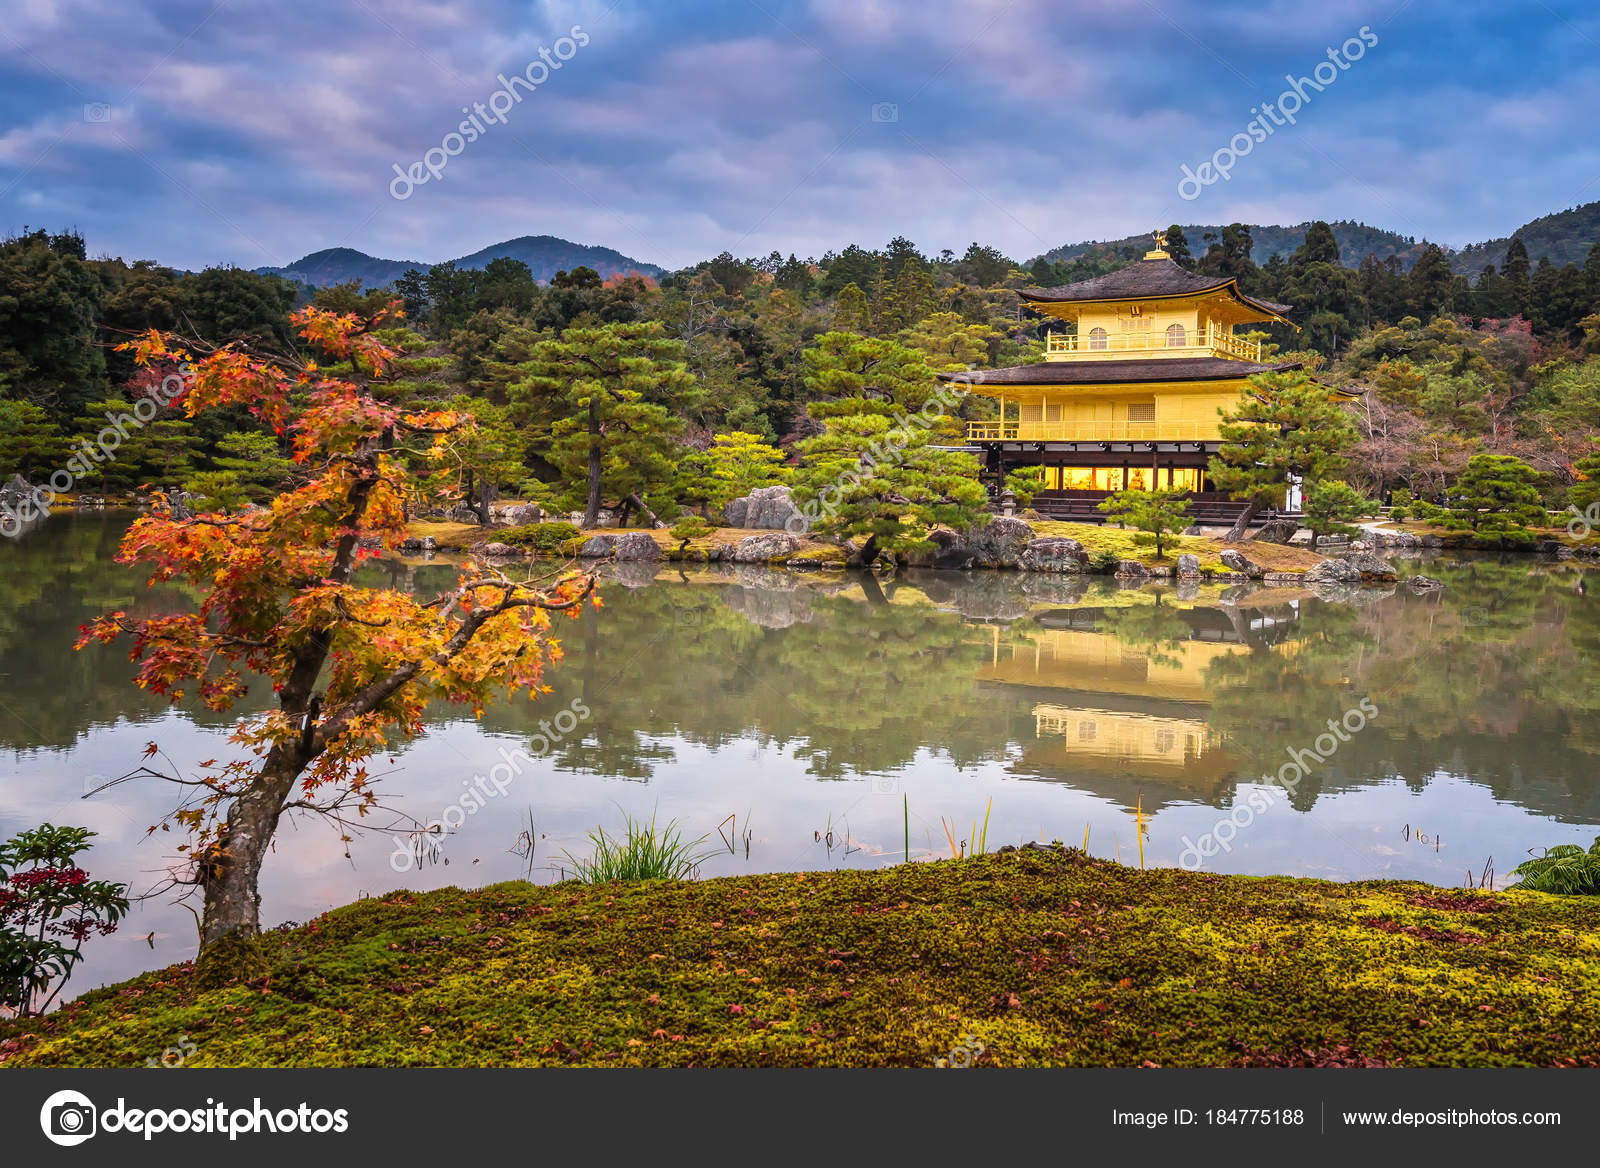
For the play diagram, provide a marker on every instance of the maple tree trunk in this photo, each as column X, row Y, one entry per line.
column 232, row 919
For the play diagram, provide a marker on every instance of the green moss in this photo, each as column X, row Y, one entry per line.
column 1044, row 958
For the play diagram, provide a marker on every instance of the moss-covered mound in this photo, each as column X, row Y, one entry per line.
column 1026, row 958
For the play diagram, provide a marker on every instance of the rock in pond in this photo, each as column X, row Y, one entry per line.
column 763, row 549
column 1053, row 554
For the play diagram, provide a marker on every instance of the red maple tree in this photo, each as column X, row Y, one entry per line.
column 352, row 668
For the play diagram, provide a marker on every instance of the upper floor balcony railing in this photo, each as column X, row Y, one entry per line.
column 1092, row 432
column 1173, row 341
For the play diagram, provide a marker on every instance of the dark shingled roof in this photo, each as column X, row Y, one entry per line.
column 1103, row 372
column 1146, row 278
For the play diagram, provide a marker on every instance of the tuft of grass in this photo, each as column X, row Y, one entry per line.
column 644, row 852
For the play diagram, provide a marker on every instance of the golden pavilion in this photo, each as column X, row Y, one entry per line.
column 1131, row 398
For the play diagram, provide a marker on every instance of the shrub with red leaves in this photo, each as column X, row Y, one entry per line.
column 48, row 908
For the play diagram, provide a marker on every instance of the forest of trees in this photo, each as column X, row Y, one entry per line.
column 1507, row 365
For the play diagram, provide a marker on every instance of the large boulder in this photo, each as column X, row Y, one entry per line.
column 522, row 514
column 1235, row 560
column 1053, row 554
column 1334, row 572
column 766, row 509
column 763, row 549
column 499, row 551
column 952, row 559
column 1000, row 542
column 1132, row 570
column 1373, row 567
column 597, row 547
column 635, row 547
column 1421, row 584
column 1276, row 531
column 1188, row 567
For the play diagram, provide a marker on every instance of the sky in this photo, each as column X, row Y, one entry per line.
column 201, row 133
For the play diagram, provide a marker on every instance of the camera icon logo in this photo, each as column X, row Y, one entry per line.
column 885, row 111
column 68, row 1118
column 96, row 111
column 885, row 784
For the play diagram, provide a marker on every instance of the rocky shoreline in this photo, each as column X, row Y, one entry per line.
column 1005, row 544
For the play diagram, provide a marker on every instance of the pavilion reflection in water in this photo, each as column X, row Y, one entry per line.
column 1126, row 719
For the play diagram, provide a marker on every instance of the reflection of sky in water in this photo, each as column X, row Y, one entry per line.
column 796, row 711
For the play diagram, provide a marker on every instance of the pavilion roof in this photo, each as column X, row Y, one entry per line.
column 1149, row 280
column 1118, row 372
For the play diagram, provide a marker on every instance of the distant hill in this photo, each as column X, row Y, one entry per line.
column 1356, row 241
column 1565, row 237
column 545, row 255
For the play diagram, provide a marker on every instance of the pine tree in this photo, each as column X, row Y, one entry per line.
column 600, row 403
column 874, row 473
column 1157, row 514
column 1329, row 508
column 1497, row 498
column 1284, row 424
column 852, row 314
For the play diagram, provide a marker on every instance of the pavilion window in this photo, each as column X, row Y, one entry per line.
column 1176, row 337
column 1142, row 411
column 1097, row 338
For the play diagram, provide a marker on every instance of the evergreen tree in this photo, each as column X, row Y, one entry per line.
column 1157, row 514
column 1497, row 498
column 1284, row 424
column 1329, row 508
column 1428, row 287
column 852, row 314
column 1178, row 247
column 30, row 443
column 600, row 403
column 1516, row 272
column 874, row 474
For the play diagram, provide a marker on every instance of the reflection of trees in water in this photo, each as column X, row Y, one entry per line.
column 1496, row 679
column 854, row 687
column 53, row 579
column 1156, row 630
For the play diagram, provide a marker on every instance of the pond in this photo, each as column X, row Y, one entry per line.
column 802, row 721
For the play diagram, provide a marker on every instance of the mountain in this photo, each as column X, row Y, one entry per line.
column 1356, row 241
column 545, row 255
column 1565, row 237
column 335, row 265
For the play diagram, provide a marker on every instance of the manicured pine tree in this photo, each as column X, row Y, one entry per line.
column 1284, row 424
column 1156, row 514
column 1329, row 508
column 874, row 474
column 602, row 405
column 1497, row 498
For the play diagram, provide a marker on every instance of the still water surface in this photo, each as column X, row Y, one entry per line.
column 793, row 720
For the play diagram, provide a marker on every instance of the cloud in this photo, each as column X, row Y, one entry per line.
column 255, row 135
